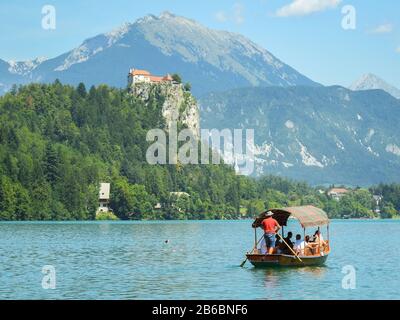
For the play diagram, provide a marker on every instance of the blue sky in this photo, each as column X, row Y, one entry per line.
column 306, row 34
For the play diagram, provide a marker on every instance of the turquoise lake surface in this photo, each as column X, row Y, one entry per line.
column 130, row 260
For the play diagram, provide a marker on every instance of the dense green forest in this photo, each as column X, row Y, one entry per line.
column 58, row 142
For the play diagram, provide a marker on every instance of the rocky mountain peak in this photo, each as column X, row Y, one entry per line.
column 211, row 60
column 24, row 67
column 371, row 81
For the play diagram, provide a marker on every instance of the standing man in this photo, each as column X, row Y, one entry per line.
column 271, row 227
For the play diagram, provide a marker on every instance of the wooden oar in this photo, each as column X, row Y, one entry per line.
column 242, row 264
column 255, row 247
column 289, row 247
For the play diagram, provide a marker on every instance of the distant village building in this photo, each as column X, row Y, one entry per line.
column 179, row 194
column 337, row 193
column 378, row 199
column 144, row 76
column 104, row 198
column 158, row 206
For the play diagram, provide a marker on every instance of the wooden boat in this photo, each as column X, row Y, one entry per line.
column 308, row 216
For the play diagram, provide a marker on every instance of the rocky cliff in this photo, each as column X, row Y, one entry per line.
column 178, row 104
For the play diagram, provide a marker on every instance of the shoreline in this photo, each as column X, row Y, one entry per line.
column 166, row 221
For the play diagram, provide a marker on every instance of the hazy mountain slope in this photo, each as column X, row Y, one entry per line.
column 371, row 82
column 211, row 60
column 322, row 135
column 6, row 77
column 3, row 70
column 24, row 68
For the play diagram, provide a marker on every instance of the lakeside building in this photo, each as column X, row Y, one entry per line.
column 378, row 200
column 104, row 198
column 337, row 193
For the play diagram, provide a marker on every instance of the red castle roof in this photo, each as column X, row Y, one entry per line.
column 137, row 72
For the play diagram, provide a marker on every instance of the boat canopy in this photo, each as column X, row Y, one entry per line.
column 308, row 216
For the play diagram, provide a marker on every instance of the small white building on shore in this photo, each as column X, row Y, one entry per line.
column 104, row 198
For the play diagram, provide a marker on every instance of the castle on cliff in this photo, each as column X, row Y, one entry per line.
column 143, row 76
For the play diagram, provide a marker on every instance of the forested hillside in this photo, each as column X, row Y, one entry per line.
column 58, row 142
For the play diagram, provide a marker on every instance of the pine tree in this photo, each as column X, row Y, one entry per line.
column 81, row 89
column 51, row 164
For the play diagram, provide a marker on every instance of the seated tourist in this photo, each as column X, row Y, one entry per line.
column 278, row 245
column 304, row 247
column 319, row 239
column 288, row 240
column 314, row 237
column 310, row 247
column 318, row 236
column 299, row 245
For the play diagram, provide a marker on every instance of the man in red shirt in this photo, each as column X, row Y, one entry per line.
column 271, row 227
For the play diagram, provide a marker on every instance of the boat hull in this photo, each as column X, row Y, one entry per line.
column 282, row 260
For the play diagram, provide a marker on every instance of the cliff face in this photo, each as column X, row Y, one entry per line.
column 179, row 105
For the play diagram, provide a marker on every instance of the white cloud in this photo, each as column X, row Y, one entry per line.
column 235, row 15
column 238, row 11
column 305, row 7
column 221, row 16
column 384, row 28
column 398, row 49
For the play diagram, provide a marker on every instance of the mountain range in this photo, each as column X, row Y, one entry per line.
column 303, row 130
column 211, row 60
column 322, row 135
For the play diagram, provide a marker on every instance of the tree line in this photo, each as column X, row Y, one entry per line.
column 58, row 142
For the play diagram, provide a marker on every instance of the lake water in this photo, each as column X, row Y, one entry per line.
column 130, row 260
